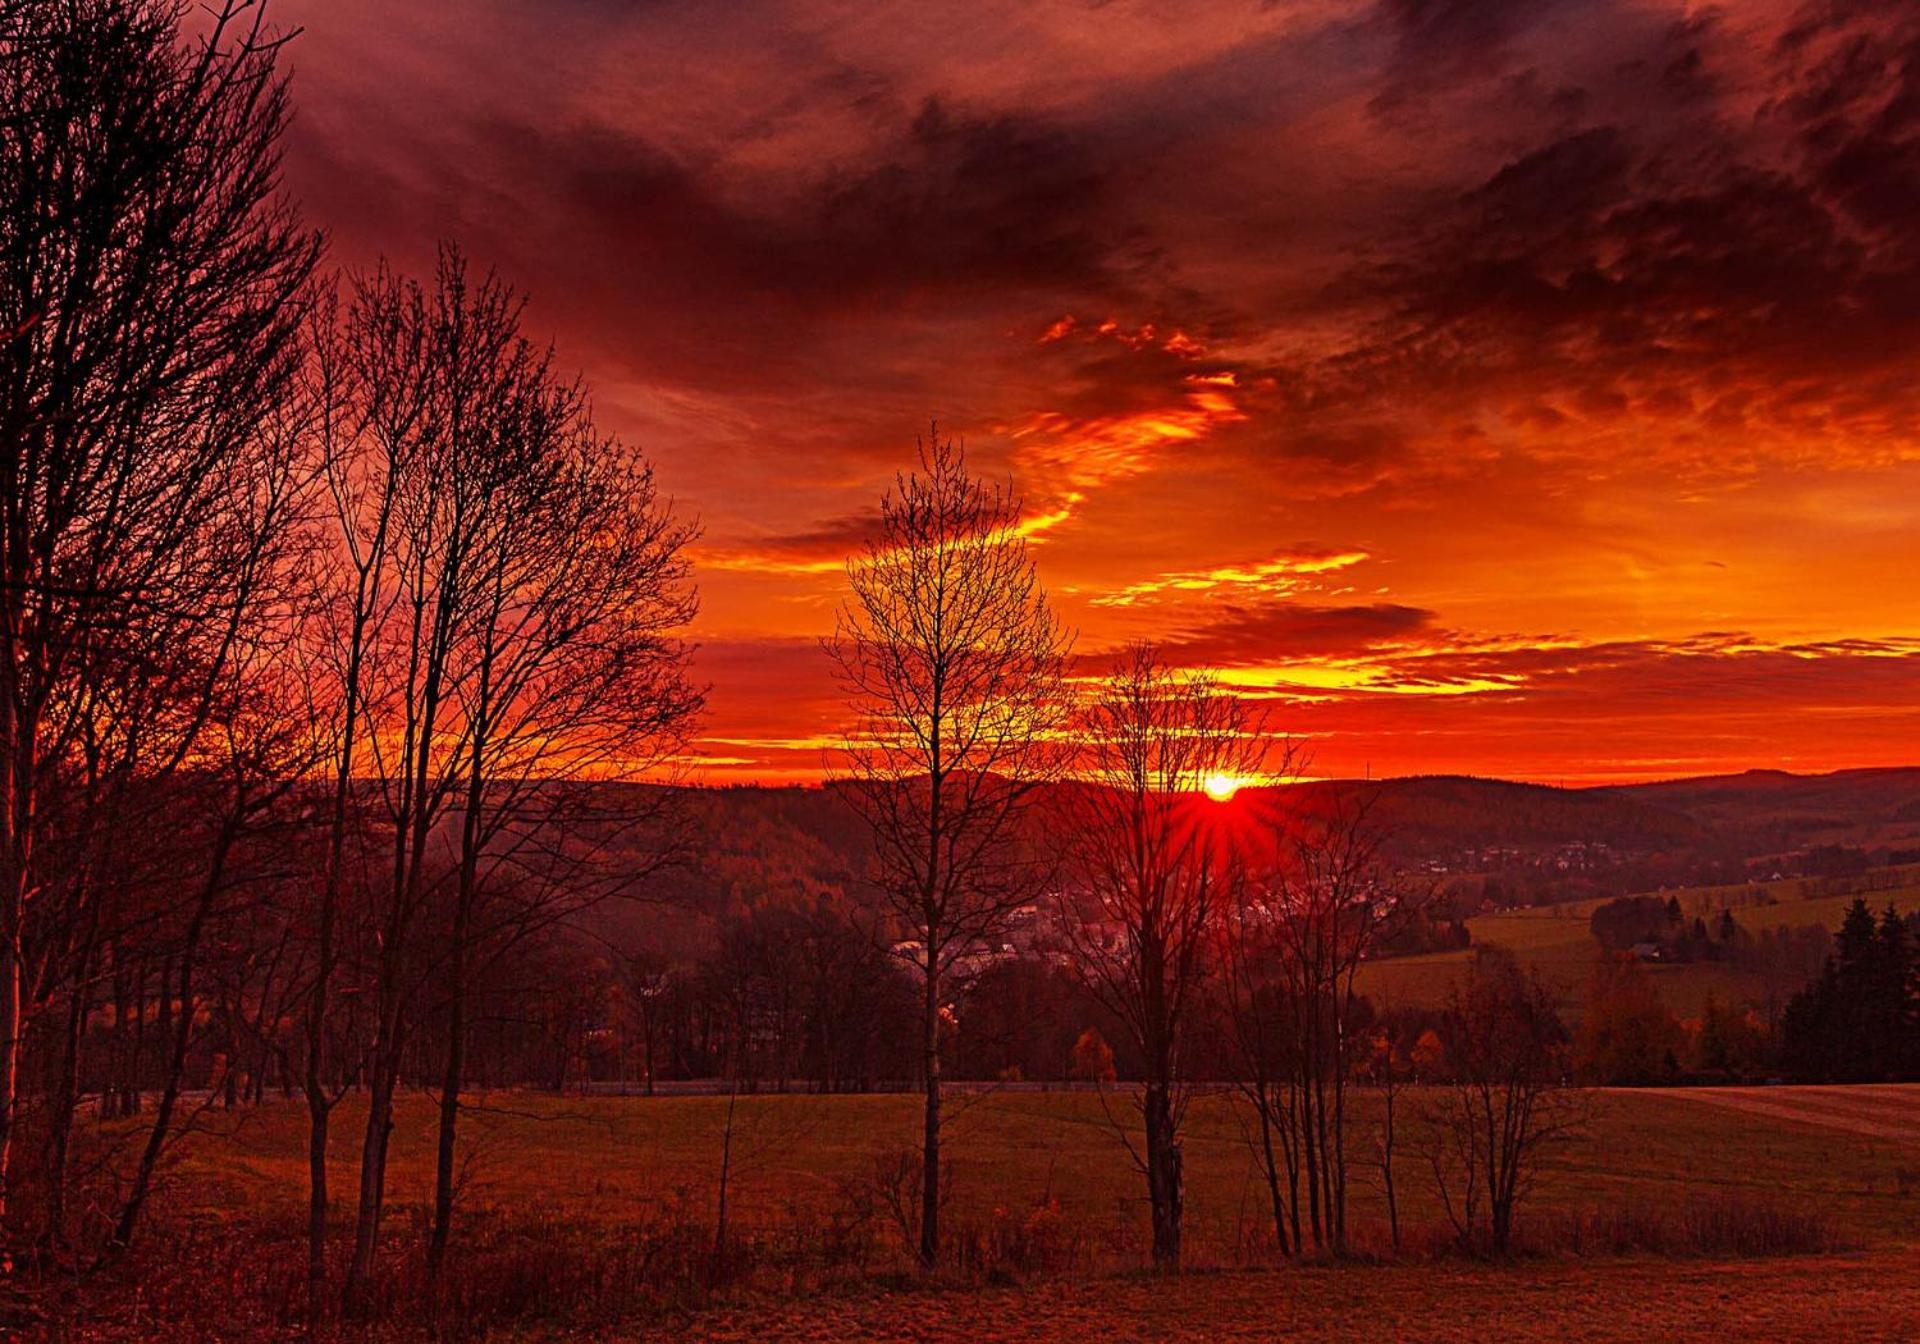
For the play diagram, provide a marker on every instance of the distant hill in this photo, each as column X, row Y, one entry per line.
column 1772, row 809
column 746, row 842
column 1427, row 814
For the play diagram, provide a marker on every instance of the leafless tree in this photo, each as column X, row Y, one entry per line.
column 370, row 398
column 1151, row 858
column 952, row 660
column 507, row 595
column 1301, row 926
column 1510, row 1099
column 151, row 278
column 1390, row 1070
column 256, row 756
column 575, row 678
column 647, row 982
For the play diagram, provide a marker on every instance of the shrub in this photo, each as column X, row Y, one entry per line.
column 1724, row 1226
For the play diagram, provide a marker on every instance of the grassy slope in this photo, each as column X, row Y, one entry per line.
column 620, row 1160
column 582, row 1169
column 1555, row 940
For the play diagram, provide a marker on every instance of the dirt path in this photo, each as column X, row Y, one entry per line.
column 1877, row 1113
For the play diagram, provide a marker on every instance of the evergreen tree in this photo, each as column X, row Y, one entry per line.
column 1857, row 1022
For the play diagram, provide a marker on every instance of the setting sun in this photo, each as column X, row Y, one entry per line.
column 1221, row 788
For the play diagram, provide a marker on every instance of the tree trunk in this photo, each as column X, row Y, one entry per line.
column 12, row 1028
column 356, row 1295
column 1270, row 1162
column 67, row 1088
column 930, row 1141
column 1164, row 1178
column 450, row 1098
column 181, row 1040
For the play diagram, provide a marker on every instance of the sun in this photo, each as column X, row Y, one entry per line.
column 1221, row 788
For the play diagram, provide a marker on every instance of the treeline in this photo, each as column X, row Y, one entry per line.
column 1839, row 1007
column 1860, row 1021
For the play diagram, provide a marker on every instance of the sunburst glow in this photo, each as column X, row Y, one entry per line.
column 1221, row 787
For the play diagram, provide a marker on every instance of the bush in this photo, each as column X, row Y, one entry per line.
column 1722, row 1226
column 1010, row 1244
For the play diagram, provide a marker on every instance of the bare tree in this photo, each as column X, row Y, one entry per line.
column 952, row 660
column 575, row 680
column 1390, row 1069
column 1511, row 1097
column 1151, row 856
column 1301, row 927
column 256, row 756
column 465, row 337
column 151, row 276
column 370, row 399
column 507, row 591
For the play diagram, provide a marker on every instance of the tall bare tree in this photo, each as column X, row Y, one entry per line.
column 1302, row 924
column 1151, row 859
column 367, row 379
column 575, row 679
column 953, row 662
column 151, row 275
column 508, row 592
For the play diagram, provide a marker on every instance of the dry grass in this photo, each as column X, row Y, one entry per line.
column 1866, row 1297
column 1555, row 941
column 596, row 1215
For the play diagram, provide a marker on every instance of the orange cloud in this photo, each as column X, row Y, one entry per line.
column 1278, row 574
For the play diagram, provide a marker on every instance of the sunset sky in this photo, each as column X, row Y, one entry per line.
column 1515, row 387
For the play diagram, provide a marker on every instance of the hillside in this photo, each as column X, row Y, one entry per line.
column 1772, row 810
column 1436, row 814
column 1556, row 941
column 741, row 843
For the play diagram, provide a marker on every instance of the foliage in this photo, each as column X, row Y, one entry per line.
column 1627, row 1035
column 1859, row 1021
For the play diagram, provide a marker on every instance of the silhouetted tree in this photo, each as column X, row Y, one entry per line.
column 1149, row 865
column 1858, row 1022
column 510, row 594
column 1509, row 1098
column 952, row 661
column 151, row 281
column 1302, row 924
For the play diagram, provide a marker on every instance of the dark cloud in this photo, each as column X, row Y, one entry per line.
column 1271, row 633
column 951, row 209
column 826, row 545
column 1610, row 265
column 1436, row 43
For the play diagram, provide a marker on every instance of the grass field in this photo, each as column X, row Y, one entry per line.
column 1857, row 1297
column 617, row 1160
column 584, row 1169
column 1555, row 941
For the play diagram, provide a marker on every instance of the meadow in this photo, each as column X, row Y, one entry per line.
column 1555, row 941
column 562, row 1196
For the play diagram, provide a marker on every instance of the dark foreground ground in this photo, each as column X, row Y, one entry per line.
column 1871, row 1296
